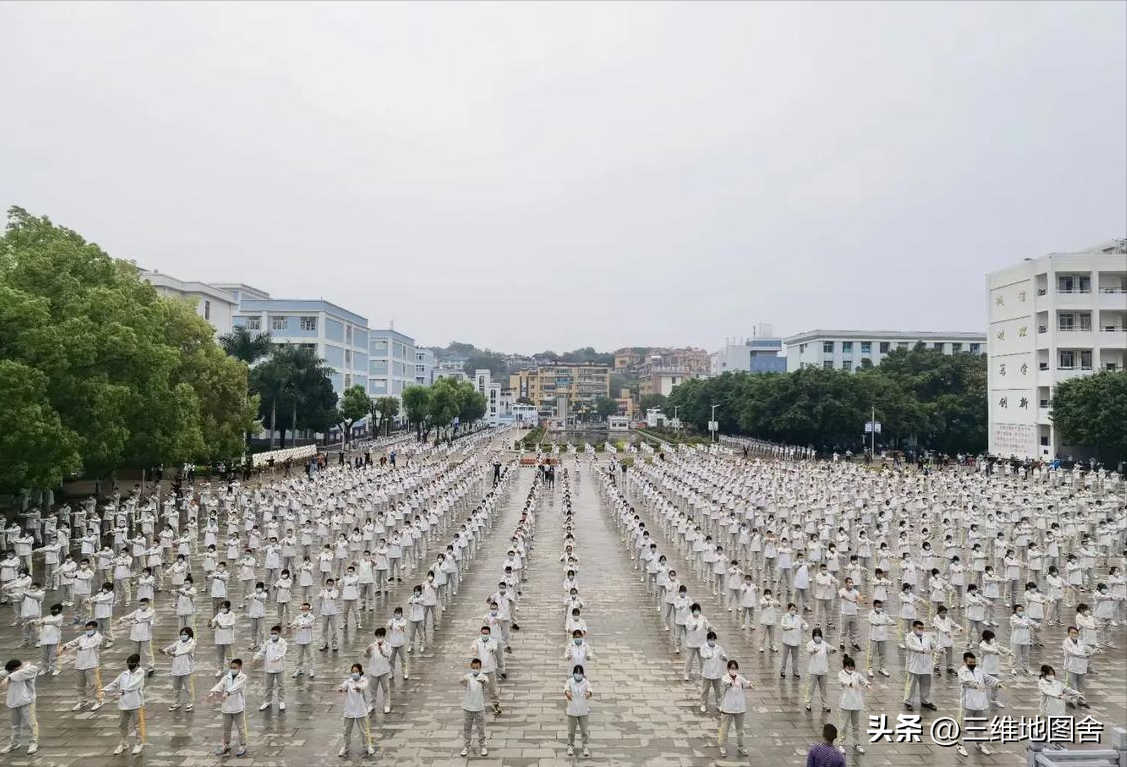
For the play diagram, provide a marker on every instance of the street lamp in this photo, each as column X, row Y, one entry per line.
column 712, row 425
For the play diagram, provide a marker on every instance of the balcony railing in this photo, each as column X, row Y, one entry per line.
column 1114, row 328
column 1074, row 328
column 1074, row 367
column 1113, row 290
column 1074, row 290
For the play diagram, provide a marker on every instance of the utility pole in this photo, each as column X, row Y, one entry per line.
column 873, row 442
column 712, row 423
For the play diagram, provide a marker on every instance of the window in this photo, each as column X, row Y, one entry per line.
column 801, row 348
column 207, row 309
column 938, row 346
column 866, row 347
column 956, row 347
column 310, row 323
column 1111, row 366
column 1085, row 322
column 847, row 365
column 254, row 323
column 827, row 347
column 846, row 347
column 279, row 322
column 1086, row 360
column 348, row 358
column 1066, row 322
column 347, row 333
column 884, row 346
column 1067, row 359
column 975, row 348
column 828, row 364
column 348, row 380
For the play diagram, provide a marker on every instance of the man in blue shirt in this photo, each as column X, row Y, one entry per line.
column 825, row 754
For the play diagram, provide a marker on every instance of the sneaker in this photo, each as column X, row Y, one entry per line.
column 296, row 674
column 930, row 706
column 685, row 677
column 807, row 706
column 826, row 709
column 870, row 673
column 11, row 746
column 961, row 750
column 281, row 706
column 999, row 704
column 54, row 672
column 982, row 749
column 742, row 750
column 119, row 749
column 242, row 751
column 138, row 748
column 369, row 751
column 465, row 752
column 342, row 752
column 723, row 752
column 586, row 752
column 31, row 749
column 174, row 707
column 484, row 751
column 884, row 672
column 97, row 705
column 571, row 750
column 189, row 707
column 78, row 706
column 387, row 709
column 264, row 706
column 858, row 748
column 221, row 750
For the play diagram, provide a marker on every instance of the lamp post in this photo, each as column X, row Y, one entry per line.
column 712, row 423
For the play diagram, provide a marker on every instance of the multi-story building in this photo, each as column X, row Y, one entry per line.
column 626, row 359
column 581, row 383
column 1051, row 319
column 213, row 304
column 391, row 363
column 762, row 353
column 662, row 380
column 424, row 366
column 855, row 349
column 338, row 336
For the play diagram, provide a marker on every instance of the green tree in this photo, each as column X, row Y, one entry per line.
column 1091, row 412
column 354, row 405
column 472, row 404
column 388, row 408
column 444, row 404
column 605, row 407
column 479, row 359
column 416, row 406
column 36, row 450
column 124, row 371
column 244, row 345
column 294, row 386
column 647, row 401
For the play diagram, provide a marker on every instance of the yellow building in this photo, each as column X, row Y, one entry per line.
column 581, row 383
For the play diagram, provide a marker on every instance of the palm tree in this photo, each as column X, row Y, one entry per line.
column 249, row 347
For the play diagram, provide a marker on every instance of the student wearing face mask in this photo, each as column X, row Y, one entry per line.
column 579, row 650
column 507, row 608
column 792, row 626
column 130, row 688
column 274, row 653
column 945, row 629
column 578, row 691
column 818, row 667
column 303, row 637
column 1021, row 637
column 1055, row 693
column 87, row 648
column 327, row 600
column 696, row 631
column 974, row 697
column 183, row 654
column 19, row 678
column 852, row 702
column 355, row 689
column 231, row 691
column 378, row 654
column 713, row 657
column 397, row 639
column 921, row 649
column 224, row 625
column 879, row 623
column 140, row 623
column 488, row 652
column 473, row 707
column 733, row 706
column 50, row 633
column 416, row 621
column 1076, row 654
column 103, row 612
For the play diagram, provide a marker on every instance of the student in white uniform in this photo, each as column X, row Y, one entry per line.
column 303, row 637
column 578, row 692
column 379, row 669
column 1076, row 654
column 20, row 678
column 732, row 708
column 1054, row 693
column 130, row 688
column 355, row 690
column 183, row 654
column 852, row 702
column 974, row 697
column 50, row 634
column 274, row 654
column 713, row 657
column 473, row 707
column 231, row 691
column 88, row 675
column 818, row 667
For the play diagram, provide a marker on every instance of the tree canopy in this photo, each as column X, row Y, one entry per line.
column 1092, row 411
column 99, row 366
column 242, row 344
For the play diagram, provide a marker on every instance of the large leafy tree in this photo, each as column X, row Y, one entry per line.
column 605, row 407
column 445, row 403
column 472, row 404
column 1092, row 411
column 124, row 376
column 296, row 389
column 388, row 408
column 354, row 405
column 416, row 405
column 245, row 345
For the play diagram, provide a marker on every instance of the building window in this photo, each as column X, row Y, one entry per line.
column 310, row 323
column 975, row 348
column 254, row 323
column 938, row 346
column 278, row 323
column 347, row 333
column 827, row 347
column 1067, row 359
column 866, row 347
column 207, row 309
column 1086, row 360
column 956, row 347
column 847, row 365
column 846, row 347
column 884, row 347
column 828, row 364
column 348, row 358
column 347, row 380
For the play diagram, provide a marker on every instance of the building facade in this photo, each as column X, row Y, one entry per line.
column 215, row 305
column 424, row 366
column 392, row 365
column 581, row 384
column 1052, row 319
column 854, row 349
column 336, row 335
column 762, row 353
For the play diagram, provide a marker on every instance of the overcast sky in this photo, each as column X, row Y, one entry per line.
column 527, row 176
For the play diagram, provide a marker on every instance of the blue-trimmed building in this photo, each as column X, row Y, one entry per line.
column 392, row 362
column 338, row 336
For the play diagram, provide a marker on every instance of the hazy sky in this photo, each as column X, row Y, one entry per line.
column 527, row 176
